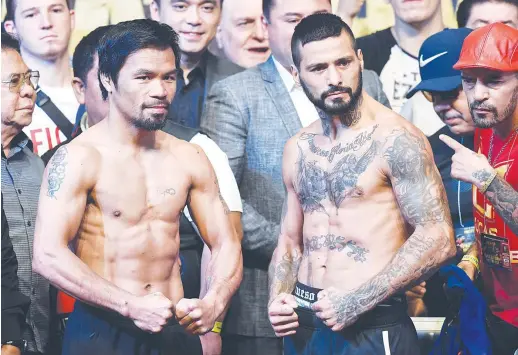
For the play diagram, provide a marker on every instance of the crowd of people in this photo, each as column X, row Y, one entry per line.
column 248, row 177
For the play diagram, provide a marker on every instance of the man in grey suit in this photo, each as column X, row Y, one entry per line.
column 251, row 116
column 196, row 23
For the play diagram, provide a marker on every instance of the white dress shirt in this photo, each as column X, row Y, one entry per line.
column 305, row 109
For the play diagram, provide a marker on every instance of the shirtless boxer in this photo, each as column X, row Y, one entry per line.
column 365, row 216
column 114, row 195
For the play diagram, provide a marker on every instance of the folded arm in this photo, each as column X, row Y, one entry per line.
column 62, row 202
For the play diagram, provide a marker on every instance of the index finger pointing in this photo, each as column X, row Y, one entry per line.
column 452, row 143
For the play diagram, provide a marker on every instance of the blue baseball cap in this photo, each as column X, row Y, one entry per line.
column 437, row 56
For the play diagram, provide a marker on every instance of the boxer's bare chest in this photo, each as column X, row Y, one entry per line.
column 143, row 188
column 328, row 175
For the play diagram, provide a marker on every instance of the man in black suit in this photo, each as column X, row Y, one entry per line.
column 196, row 23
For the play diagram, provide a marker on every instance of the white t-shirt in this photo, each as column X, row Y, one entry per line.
column 42, row 131
column 305, row 109
column 227, row 181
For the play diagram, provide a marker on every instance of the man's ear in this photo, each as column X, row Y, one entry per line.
column 72, row 19
column 10, row 28
column 296, row 75
column 219, row 33
column 154, row 11
column 79, row 90
column 106, row 83
column 359, row 53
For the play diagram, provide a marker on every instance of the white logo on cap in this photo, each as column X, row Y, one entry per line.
column 423, row 63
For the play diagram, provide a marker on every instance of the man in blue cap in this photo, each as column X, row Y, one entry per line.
column 442, row 85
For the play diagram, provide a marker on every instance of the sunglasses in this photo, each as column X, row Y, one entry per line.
column 16, row 81
column 434, row 96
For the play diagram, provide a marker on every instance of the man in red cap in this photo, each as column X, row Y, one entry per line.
column 489, row 65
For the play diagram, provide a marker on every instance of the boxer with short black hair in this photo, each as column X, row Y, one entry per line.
column 115, row 195
column 365, row 216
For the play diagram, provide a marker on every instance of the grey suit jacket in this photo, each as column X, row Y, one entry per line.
column 250, row 115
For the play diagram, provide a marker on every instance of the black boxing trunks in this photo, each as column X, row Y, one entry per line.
column 95, row 331
column 386, row 330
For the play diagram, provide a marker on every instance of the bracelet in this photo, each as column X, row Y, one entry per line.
column 217, row 327
column 473, row 260
column 488, row 182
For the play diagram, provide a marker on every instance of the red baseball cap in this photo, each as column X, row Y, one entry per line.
column 493, row 47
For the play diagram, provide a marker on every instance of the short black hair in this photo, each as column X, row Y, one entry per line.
column 465, row 7
column 9, row 42
column 10, row 6
column 317, row 27
column 125, row 38
column 85, row 52
column 267, row 7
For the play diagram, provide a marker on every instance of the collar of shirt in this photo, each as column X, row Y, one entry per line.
column 18, row 144
column 286, row 76
column 198, row 72
column 84, row 122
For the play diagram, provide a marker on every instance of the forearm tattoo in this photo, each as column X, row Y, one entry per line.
column 332, row 242
column 57, row 171
column 282, row 272
column 505, row 200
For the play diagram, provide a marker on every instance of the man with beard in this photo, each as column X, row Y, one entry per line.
column 114, row 195
column 365, row 215
column 489, row 65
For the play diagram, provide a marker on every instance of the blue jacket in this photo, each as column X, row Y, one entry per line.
column 466, row 332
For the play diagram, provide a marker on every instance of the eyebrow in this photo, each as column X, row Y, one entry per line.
column 213, row 2
column 149, row 72
column 34, row 8
column 292, row 14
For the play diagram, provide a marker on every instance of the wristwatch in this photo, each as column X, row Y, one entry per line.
column 20, row 344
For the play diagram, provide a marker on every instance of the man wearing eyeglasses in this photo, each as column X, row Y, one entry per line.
column 22, row 172
column 442, row 85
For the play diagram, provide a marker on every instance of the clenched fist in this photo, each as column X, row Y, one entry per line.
column 335, row 308
column 150, row 312
column 281, row 313
column 195, row 315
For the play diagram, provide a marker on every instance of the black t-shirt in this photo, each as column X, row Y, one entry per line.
column 397, row 69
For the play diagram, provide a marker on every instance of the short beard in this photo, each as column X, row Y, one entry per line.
column 148, row 124
column 496, row 119
column 347, row 111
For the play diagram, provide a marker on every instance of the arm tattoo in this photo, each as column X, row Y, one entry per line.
column 415, row 181
column 481, row 175
column 419, row 192
column 314, row 184
column 416, row 257
column 505, row 200
column 335, row 243
column 57, row 171
column 169, row 191
column 282, row 274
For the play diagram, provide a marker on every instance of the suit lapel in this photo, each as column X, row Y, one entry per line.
column 280, row 97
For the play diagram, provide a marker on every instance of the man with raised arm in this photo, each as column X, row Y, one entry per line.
column 107, row 226
column 365, row 216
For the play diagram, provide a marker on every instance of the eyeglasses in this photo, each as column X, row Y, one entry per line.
column 17, row 80
column 434, row 96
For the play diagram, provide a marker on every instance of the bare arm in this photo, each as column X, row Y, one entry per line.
column 62, row 202
column 422, row 200
column 211, row 214
column 284, row 267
